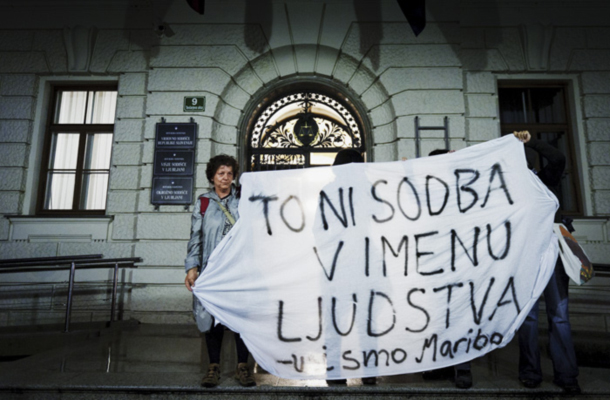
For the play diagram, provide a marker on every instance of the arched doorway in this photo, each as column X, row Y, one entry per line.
column 300, row 124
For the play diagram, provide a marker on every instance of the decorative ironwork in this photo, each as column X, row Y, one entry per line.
column 266, row 162
column 332, row 135
column 292, row 127
column 282, row 137
column 266, row 125
column 306, row 129
column 328, row 134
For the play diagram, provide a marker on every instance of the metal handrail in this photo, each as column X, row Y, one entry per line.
column 62, row 267
column 602, row 270
column 109, row 261
column 92, row 261
column 45, row 261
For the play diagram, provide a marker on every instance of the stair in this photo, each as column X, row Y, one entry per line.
column 135, row 361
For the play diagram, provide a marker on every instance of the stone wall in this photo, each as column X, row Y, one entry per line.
column 231, row 54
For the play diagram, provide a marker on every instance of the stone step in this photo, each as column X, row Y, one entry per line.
column 134, row 361
column 275, row 393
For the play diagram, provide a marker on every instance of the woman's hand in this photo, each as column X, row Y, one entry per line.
column 191, row 277
column 523, row 136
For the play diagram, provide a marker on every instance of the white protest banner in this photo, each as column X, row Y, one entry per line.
column 384, row 268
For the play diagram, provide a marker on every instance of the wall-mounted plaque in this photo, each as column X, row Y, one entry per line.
column 171, row 190
column 175, row 136
column 175, row 163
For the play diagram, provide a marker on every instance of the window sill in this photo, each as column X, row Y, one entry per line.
column 590, row 229
column 37, row 229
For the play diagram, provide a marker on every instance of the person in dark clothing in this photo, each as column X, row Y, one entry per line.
column 565, row 368
column 461, row 372
column 348, row 156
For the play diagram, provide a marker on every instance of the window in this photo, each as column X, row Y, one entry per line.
column 302, row 128
column 541, row 109
column 78, row 146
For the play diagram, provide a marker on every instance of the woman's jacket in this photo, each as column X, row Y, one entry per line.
column 207, row 231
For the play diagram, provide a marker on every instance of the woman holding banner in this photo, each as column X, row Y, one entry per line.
column 214, row 215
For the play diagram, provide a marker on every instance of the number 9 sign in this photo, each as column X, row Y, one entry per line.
column 194, row 104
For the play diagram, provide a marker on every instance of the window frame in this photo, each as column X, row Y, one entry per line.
column 83, row 130
column 535, row 128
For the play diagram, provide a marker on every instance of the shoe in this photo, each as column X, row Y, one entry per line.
column 369, row 381
column 212, row 378
column 336, row 382
column 243, row 375
column 530, row 383
column 463, row 379
column 436, row 374
column 569, row 388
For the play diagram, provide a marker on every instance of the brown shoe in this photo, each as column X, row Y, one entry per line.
column 243, row 375
column 212, row 378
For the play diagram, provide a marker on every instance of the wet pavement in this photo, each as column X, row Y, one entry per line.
column 132, row 360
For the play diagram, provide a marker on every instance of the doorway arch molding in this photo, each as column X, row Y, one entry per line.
column 260, row 77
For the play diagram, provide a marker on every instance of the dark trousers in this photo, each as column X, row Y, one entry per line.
column 562, row 352
column 213, row 340
column 465, row 366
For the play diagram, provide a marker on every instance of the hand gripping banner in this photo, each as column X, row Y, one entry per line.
column 379, row 269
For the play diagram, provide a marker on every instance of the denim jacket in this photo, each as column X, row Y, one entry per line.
column 207, row 232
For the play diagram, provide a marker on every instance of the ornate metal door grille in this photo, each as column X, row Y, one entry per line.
column 302, row 130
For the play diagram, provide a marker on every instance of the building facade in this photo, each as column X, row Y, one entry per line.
column 83, row 85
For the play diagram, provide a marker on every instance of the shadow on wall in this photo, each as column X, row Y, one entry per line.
column 260, row 13
column 445, row 16
column 371, row 33
column 456, row 12
column 442, row 13
column 145, row 26
column 369, row 14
